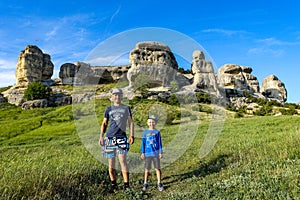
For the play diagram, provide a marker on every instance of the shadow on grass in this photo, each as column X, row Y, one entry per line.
column 205, row 169
column 94, row 183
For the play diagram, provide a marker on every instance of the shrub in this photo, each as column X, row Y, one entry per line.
column 174, row 86
column 264, row 110
column 239, row 114
column 289, row 111
column 37, row 90
column 173, row 100
column 203, row 97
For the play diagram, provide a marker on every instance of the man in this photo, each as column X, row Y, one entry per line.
column 116, row 143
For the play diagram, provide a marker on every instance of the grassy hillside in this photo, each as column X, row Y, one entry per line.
column 43, row 157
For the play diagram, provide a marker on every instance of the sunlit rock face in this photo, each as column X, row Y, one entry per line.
column 272, row 87
column 203, row 71
column 33, row 65
column 237, row 77
column 154, row 62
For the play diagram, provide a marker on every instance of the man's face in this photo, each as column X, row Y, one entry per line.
column 117, row 97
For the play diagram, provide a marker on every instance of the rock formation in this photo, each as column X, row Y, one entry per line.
column 251, row 81
column 154, row 62
column 110, row 74
column 151, row 63
column 232, row 76
column 272, row 87
column 67, row 73
column 204, row 76
column 33, row 65
column 83, row 73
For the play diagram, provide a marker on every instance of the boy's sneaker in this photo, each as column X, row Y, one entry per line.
column 160, row 187
column 145, row 186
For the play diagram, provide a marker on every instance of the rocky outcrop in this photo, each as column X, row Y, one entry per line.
column 232, row 76
column 154, row 63
column 204, row 76
column 110, row 74
column 83, row 73
column 151, row 63
column 38, row 103
column 67, row 73
column 251, row 80
column 15, row 96
column 33, row 65
column 272, row 87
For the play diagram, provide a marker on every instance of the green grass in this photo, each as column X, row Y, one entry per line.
column 254, row 158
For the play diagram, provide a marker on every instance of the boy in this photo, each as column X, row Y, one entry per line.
column 115, row 143
column 151, row 151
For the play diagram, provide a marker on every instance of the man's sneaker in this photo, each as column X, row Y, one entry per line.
column 160, row 187
column 114, row 186
column 125, row 186
column 145, row 186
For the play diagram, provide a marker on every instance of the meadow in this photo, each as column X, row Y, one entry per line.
column 44, row 157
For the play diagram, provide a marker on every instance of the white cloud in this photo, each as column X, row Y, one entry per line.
column 112, row 17
column 52, row 33
column 115, row 13
column 273, row 41
column 109, row 61
column 223, row 31
column 268, row 45
column 7, row 78
column 7, row 64
column 265, row 51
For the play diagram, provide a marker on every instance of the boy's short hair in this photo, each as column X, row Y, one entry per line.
column 155, row 118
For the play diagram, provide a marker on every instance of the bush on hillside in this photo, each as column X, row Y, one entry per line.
column 203, row 97
column 37, row 90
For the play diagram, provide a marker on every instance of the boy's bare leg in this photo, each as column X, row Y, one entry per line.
column 146, row 176
column 158, row 175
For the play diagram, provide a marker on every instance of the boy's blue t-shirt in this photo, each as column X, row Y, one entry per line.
column 151, row 143
column 117, row 116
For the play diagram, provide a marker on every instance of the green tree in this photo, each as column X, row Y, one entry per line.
column 37, row 90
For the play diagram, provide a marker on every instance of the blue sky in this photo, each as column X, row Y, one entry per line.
column 264, row 35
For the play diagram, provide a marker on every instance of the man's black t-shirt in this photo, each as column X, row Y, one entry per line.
column 117, row 116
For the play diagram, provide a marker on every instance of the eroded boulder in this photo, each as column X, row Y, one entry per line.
column 154, row 62
column 272, row 87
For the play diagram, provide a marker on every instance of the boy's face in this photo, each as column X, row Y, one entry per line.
column 151, row 123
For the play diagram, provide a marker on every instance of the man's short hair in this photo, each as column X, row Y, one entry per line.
column 116, row 91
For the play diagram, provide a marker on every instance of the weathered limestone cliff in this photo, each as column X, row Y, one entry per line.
column 237, row 77
column 272, row 87
column 33, row 65
column 155, row 61
column 151, row 63
column 204, row 75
